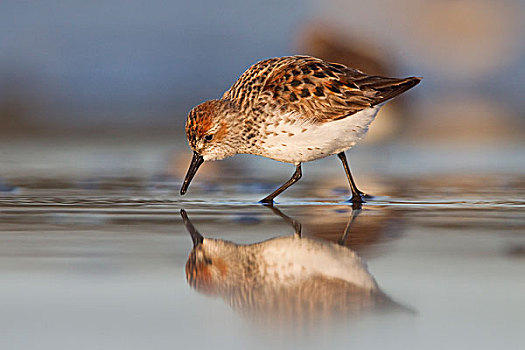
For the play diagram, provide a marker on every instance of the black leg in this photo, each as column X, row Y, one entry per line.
column 296, row 176
column 357, row 196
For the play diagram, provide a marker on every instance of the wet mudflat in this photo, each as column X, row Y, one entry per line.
column 98, row 261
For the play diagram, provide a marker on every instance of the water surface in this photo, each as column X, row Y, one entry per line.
column 98, row 261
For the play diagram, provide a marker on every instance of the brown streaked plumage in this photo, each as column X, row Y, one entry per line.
column 313, row 88
column 292, row 109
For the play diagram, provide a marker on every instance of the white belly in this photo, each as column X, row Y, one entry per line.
column 303, row 141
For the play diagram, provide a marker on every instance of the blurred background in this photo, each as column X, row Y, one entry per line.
column 79, row 75
column 80, row 66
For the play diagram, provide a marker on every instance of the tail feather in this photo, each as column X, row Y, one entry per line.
column 388, row 88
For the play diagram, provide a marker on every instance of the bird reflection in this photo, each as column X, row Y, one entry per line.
column 289, row 278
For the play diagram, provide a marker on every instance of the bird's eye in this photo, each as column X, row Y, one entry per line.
column 208, row 137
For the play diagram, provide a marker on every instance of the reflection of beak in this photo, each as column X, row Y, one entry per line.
column 196, row 237
column 196, row 162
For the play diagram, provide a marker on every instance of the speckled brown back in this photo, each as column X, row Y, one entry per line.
column 317, row 90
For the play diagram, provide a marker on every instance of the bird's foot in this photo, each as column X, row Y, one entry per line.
column 357, row 203
column 267, row 201
column 358, row 199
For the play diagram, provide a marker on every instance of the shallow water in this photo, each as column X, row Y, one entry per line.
column 99, row 261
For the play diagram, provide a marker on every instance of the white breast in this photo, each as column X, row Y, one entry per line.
column 300, row 140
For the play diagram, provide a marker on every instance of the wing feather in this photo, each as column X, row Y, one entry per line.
column 314, row 89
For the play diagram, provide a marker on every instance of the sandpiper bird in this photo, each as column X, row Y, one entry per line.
column 284, row 278
column 292, row 109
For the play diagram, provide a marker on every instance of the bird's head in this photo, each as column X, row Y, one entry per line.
column 209, row 130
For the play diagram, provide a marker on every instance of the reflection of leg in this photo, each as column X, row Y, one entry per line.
column 296, row 176
column 357, row 196
column 344, row 237
column 295, row 224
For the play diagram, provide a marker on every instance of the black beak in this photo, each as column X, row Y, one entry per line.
column 196, row 237
column 196, row 162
